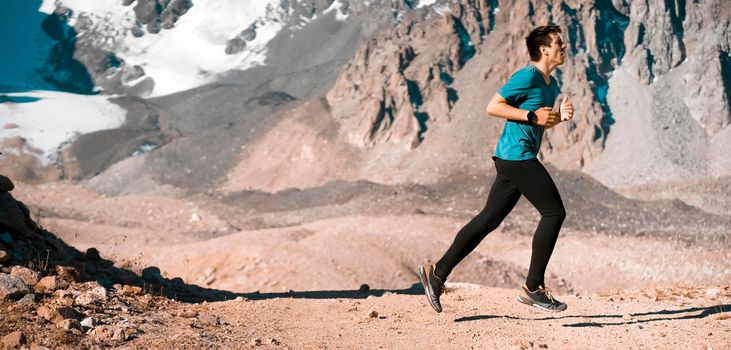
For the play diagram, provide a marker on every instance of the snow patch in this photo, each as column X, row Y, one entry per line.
column 57, row 118
column 425, row 3
column 337, row 7
column 193, row 52
column 442, row 9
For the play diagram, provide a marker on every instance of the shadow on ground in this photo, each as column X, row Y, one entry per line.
column 662, row 315
column 415, row 289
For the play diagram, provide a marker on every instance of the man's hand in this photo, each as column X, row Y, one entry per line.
column 546, row 116
column 567, row 109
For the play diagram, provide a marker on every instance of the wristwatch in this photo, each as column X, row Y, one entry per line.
column 532, row 117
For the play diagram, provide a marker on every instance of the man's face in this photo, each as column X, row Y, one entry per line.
column 557, row 51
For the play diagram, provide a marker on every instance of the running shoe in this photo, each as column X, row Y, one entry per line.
column 433, row 286
column 541, row 299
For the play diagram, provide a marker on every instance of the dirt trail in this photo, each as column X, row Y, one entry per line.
column 475, row 317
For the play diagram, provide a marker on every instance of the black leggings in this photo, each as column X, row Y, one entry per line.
column 514, row 178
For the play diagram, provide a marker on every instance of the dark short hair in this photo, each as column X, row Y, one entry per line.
column 540, row 36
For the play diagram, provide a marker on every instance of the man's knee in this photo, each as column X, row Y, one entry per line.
column 558, row 212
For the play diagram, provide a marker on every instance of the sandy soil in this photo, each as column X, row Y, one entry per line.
column 301, row 285
column 475, row 317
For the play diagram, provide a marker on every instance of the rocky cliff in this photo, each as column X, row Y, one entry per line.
column 401, row 82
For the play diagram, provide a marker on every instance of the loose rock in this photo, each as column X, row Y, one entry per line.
column 68, row 272
column 119, row 334
column 4, row 256
column 188, row 313
column 712, row 293
column 28, row 276
column 130, row 290
column 28, row 299
column 68, row 324
column 88, row 322
column 14, row 340
column 49, row 283
column 96, row 295
column 12, row 287
column 56, row 314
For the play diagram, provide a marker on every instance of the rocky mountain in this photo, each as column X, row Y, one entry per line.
column 301, row 93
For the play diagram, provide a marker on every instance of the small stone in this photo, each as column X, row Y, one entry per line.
column 102, row 332
column 522, row 344
column 373, row 314
column 255, row 342
column 272, row 341
column 88, row 322
column 188, row 313
column 543, row 346
column 94, row 296
column 4, row 256
column 209, row 320
column 55, row 314
column 131, row 290
column 68, row 272
column 364, row 287
column 64, row 294
column 240, row 299
column 119, row 334
column 28, row 276
column 123, row 306
column 712, row 293
column 68, row 324
column 14, row 340
column 28, row 299
column 49, row 283
column 12, row 287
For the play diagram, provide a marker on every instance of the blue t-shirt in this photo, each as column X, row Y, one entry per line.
column 526, row 89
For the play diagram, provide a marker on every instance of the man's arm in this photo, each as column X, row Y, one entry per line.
column 499, row 107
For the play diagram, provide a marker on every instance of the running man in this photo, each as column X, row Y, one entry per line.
column 526, row 102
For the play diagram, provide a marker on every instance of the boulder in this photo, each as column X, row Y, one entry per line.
column 12, row 287
column 28, row 276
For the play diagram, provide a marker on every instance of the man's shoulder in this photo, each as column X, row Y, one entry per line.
column 526, row 73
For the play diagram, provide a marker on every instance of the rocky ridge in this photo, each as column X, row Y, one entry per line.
column 72, row 297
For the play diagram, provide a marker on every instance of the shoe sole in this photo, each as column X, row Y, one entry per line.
column 532, row 303
column 427, row 288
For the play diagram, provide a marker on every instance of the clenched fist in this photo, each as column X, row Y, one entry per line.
column 567, row 109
